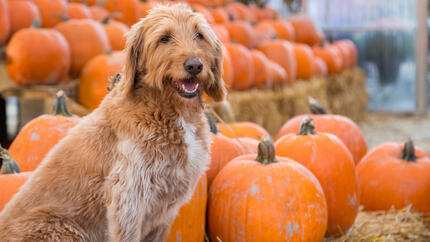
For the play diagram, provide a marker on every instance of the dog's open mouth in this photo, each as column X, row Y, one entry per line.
column 187, row 88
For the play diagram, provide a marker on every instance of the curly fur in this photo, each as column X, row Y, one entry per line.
column 123, row 172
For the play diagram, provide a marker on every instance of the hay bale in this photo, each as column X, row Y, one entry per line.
column 392, row 225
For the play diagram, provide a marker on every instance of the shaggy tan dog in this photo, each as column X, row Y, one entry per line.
column 124, row 171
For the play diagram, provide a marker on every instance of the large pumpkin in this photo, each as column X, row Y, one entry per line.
column 27, row 64
column 395, row 174
column 330, row 55
column 242, row 65
column 342, row 127
column 262, row 72
column 241, row 32
column 116, row 33
column 78, row 11
column 4, row 22
column 11, row 179
column 22, row 14
column 86, row 38
column 128, row 9
column 38, row 136
column 189, row 225
column 242, row 129
column 260, row 197
column 281, row 52
column 305, row 61
column 95, row 78
column 305, row 30
column 331, row 162
column 50, row 10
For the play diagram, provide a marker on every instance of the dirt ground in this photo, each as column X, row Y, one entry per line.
column 383, row 127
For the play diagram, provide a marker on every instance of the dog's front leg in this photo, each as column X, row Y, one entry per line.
column 125, row 206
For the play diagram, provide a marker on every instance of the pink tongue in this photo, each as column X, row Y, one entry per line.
column 190, row 86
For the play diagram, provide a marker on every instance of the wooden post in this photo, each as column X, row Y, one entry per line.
column 421, row 49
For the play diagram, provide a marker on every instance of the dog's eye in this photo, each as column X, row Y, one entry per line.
column 199, row 36
column 164, row 38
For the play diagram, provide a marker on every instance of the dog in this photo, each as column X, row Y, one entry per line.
column 124, row 171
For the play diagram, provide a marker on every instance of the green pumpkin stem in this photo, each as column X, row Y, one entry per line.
column 408, row 152
column 36, row 24
column 60, row 107
column 266, row 151
column 9, row 165
column 212, row 124
column 307, row 126
column 316, row 107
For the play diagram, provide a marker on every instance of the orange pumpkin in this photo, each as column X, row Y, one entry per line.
column 279, row 75
column 27, row 64
column 352, row 50
column 342, row 127
column 98, row 13
column 221, row 32
column 128, row 9
column 95, row 78
column 264, row 32
column 243, row 129
column 331, row 56
column 331, row 162
column 305, row 30
column 242, row 65
column 228, row 72
column 205, row 12
column 284, row 29
column 22, row 14
column 38, row 136
column 264, row 12
column 50, row 10
column 320, row 66
column 281, row 52
column 86, row 38
column 260, row 196
column 305, row 61
column 241, row 32
column 116, row 32
column 395, row 174
column 189, row 225
column 78, row 11
column 239, row 11
column 251, row 145
column 4, row 22
column 262, row 72
column 220, row 15
column 144, row 7
column 86, row 2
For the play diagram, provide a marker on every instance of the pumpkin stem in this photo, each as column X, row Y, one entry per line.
column 36, row 23
column 408, row 152
column 316, row 107
column 212, row 124
column 110, row 16
column 63, row 18
column 266, row 151
column 60, row 107
column 9, row 165
column 307, row 126
column 113, row 81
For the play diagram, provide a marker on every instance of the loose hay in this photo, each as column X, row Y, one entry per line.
column 393, row 225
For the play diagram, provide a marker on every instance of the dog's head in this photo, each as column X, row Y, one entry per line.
column 176, row 50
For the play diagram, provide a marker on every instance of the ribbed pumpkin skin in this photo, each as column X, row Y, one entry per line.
column 332, row 164
column 38, row 137
column 49, row 10
column 22, row 14
column 344, row 128
column 223, row 150
column 243, row 129
column 387, row 180
column 189, row 225
column 95, row 78
column 27, row 64
column 249, row 201
column 10, row 184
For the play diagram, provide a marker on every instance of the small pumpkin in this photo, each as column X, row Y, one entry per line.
column 26, row 64
column 242, row 65
column 264, row 32
column 305, row 61
column 11, row 179
column 22, row 14
column 262, row 73
column 86, row 39
column 116, row 32
column 189, row 225
column 342, row 127
column 332, row 164
column 220, row 15
column 281, row 52
column 254, row 192
column 305, row 30
column 395, row 175
column 239, row 11
column 128, row 9
column 38, row 136
column 98, row 13
column 330, row 55
column 284, row 29
column 320, row 66
column 95, row 78
column 4, row 22
column 78, row 11
column 241, row 32
column 279, row 75
column 345, row 54
column 353, row 52
column 50, row 10
column 242, row 129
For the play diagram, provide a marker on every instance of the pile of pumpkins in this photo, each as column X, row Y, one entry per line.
column 306, row 185
column 53, row 41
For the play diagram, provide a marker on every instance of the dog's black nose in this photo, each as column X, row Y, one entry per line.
column 193, row 65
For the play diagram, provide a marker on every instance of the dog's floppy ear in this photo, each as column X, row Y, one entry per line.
column 216, row 90
column 134, row 59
